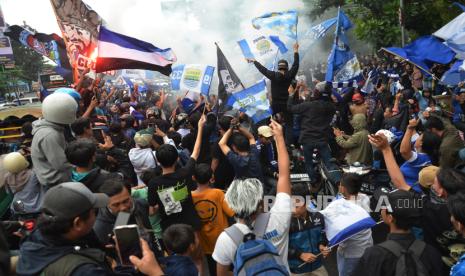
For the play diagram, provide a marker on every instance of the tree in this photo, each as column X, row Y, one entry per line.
column 377, row 21
column 28, row 61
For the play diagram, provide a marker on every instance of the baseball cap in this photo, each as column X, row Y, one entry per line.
column 265, row 131
column 427, row 175
column 70, row 199
column 357, row 98
column 400, row 203
column 143, row 137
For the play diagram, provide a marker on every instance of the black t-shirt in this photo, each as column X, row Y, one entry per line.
column 224, row 173
column 172, row 194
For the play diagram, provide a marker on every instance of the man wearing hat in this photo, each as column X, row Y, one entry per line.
column 61, row 245
column 280, row 82
column 400, row 210
column 316, row 116
column 268, row 157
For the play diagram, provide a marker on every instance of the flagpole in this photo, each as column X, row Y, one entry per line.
column 332, row 246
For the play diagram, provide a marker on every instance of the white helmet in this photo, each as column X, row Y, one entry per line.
column 15, row 162
column 59, row 108
column 389, row 135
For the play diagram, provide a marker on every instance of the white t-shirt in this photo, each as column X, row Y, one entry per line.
column 356, row 245
column 277, row 232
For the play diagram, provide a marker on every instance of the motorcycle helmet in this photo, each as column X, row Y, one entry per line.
column 59, row 108
column 15, row 162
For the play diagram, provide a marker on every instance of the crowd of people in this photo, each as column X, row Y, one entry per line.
column 195, row 178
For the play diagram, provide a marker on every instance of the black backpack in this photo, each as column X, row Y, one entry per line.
column 414, row 250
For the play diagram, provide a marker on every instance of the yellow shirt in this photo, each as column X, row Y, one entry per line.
column 213, row 212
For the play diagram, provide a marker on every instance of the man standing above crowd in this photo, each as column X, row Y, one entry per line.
column 280, row 82
column 316, row 116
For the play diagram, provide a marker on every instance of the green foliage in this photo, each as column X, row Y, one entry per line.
column 29, row 62
column 377, row 21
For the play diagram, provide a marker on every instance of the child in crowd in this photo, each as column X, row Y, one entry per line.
column 306, row 240
column 212, row 210
column 181, row 244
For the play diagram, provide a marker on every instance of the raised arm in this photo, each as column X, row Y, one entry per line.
column 381, row 142
column 295, row 66
column 198, row 140
column 284, row 182
column 406, row 145
column 262, row 69
column 223, row 143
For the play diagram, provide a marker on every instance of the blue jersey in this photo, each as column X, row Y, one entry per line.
column 412, row 167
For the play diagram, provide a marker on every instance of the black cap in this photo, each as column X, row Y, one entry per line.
column 71, row 199
column 400, row 203
column 282, row 64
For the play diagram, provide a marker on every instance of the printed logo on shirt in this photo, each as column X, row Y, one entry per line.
column 207, row 210
column 172, row 197
column 271, row 236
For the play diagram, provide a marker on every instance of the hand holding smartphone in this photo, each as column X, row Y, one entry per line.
column 127, row 243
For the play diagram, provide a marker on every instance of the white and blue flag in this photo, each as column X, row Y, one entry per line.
column 262, row 47
column 253, row 101
column 117, row 51
column 192, row 77
column 343, row 219
column 453, row 33
column 281, row 22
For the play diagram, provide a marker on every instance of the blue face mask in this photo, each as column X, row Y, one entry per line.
column 76, row 176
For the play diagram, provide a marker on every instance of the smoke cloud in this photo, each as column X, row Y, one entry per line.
column 190, row 27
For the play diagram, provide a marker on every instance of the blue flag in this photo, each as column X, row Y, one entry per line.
column 283, row 22
column 319, row 31
column 424, row 52
column 253, row 101
column 343, row 65
column 455, row 74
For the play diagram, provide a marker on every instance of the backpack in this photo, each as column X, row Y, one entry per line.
column 415, row 250
column 255, row 255
column 69, row 262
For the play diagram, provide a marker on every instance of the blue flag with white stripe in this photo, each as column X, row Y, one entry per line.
column 192, row 77
column 262, row 47
column 281, row 22
column 253, row 101
column 343, row 65
column 320, row 30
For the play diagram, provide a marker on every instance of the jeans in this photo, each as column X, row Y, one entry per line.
column 325, row 155
column 346, row 266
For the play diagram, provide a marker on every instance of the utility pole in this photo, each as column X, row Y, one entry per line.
column 401, row 22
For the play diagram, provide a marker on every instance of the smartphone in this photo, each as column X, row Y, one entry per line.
column 98, row 135
column 127, row 243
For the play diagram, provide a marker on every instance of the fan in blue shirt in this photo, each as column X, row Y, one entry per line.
column 426, row 153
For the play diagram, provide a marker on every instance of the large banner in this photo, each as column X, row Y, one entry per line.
column 6, row 52
column 79, row 26
column 49, row 45
column 192, row 77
